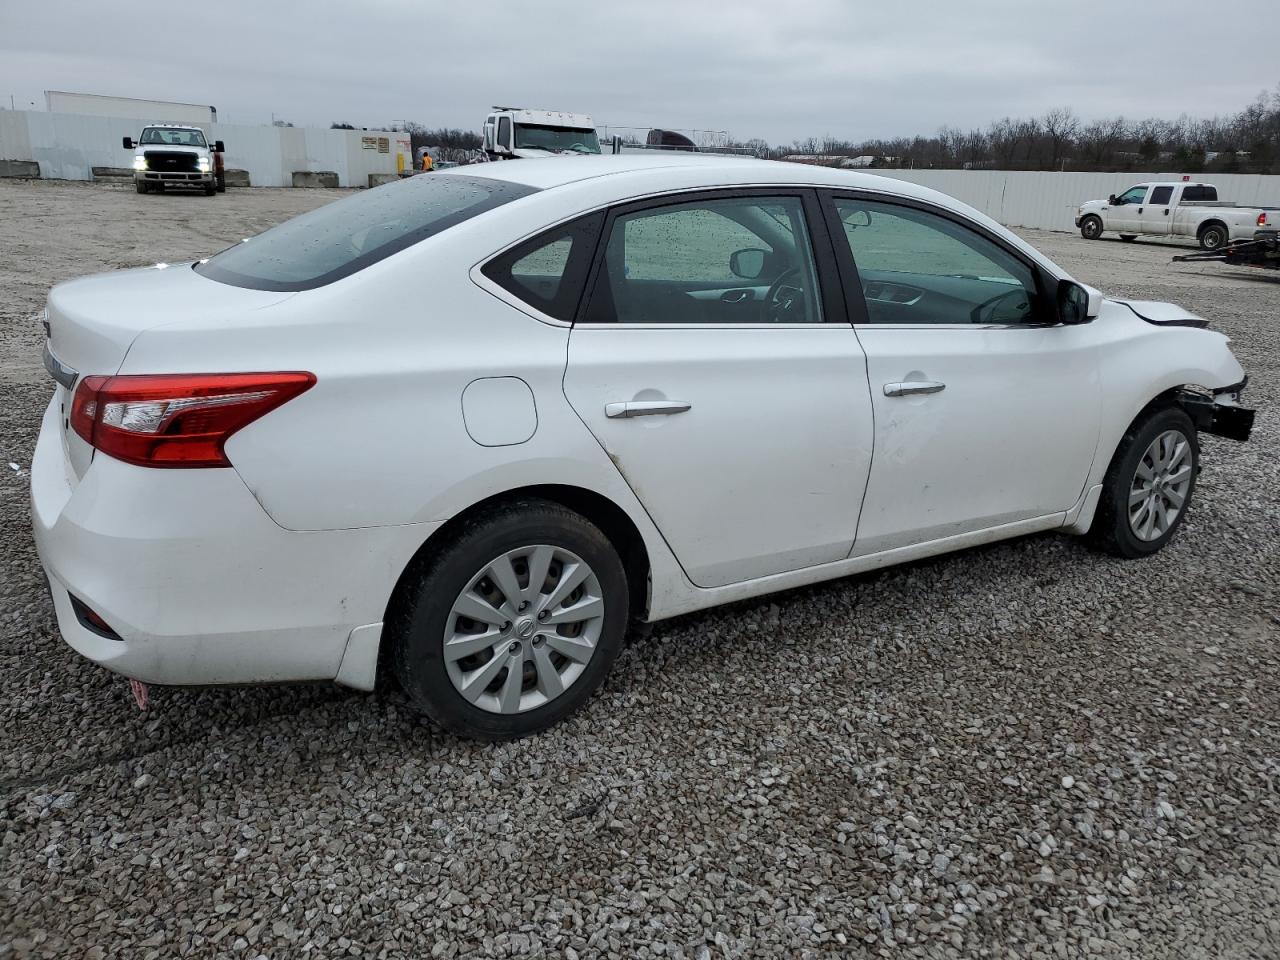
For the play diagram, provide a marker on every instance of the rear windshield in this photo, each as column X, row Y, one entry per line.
column 344, row 237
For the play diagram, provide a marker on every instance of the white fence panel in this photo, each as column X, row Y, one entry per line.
column 68, row 146
column 1048, row 201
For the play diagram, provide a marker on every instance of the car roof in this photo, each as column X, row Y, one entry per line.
column 717, row 170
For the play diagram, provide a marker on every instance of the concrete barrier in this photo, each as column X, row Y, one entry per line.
column 237, row 178
column 20, row 168
column 111, row 173
column 315, row 178
column 378, row 179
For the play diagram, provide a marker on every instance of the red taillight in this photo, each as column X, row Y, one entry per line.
column 1262, row 219
column 176, row 420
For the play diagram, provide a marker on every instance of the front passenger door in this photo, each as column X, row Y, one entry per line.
column 986, row 411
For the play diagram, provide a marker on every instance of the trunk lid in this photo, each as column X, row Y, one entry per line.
column 93, row 321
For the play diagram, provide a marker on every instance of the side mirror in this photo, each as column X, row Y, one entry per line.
column 218, row 147
column 1112, row 199
column 1077, row 303
column 859, row 218
column 747, row 264
column 128, row 143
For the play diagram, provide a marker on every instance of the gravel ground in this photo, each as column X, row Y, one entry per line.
column 1023, row 750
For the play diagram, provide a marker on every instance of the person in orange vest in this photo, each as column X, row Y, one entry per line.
column 427, row 162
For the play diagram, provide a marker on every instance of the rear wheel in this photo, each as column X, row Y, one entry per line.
column 513, row 624
column 1149, row 484
column 1213, row 236
column 141, row 186
column 1091, row 227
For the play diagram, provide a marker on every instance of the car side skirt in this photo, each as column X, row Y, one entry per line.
column 669, row 600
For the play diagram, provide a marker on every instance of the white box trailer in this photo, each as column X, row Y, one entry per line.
column 154, row 111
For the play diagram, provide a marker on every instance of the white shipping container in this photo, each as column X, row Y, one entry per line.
column 154, row 111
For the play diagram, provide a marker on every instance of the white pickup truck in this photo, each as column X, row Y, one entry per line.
column 170, row 154
column 1174, row 209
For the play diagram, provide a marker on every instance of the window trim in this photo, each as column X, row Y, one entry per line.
column 577, row 268
column 851, row 279
column 825, row 267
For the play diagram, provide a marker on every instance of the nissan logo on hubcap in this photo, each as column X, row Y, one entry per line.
column 524, row 629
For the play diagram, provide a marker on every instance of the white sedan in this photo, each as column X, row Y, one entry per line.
column 461, row 430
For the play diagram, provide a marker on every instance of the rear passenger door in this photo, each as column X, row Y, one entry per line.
column 714, row 363
column 1156, row 217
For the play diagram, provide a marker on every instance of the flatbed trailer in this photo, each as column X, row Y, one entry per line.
column 1262, row 252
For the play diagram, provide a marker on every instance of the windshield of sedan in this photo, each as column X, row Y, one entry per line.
column 173, row 137
column 574, row 140
column 344, row 237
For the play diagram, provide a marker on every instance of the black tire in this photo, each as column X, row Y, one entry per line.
column 420, row 613
column 1213, row 237
column 1111, row 530
column 1091, row 227
column 210, row 189
column 221, row 180
column 1128, row 237
column 141, row 186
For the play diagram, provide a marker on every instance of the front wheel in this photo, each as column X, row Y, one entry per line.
column 513, row 624
column 1213, row 236
column 141, row 186
column 1148, row 486
column 1091, row 227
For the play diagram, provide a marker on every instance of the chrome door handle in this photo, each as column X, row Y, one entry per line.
column 913, row 387
column 645, row 408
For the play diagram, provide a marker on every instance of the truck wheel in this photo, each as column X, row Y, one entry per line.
column 210, row 189
column 1091, row 227
column 1128, row 237
column 1213, row 236
column 141, row 186
column 222, row 183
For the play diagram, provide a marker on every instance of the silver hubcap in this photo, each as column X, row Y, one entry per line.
column 1160, row 486
column 523, row 629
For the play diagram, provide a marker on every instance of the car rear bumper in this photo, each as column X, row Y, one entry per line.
column 197, row 583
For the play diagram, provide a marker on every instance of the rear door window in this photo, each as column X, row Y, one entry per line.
column 1160, row 196
column 341, row 238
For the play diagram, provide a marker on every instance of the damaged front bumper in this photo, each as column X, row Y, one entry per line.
column 1221, row 413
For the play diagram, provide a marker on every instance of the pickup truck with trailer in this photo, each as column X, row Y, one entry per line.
column 1179, row 209
column 170, row 154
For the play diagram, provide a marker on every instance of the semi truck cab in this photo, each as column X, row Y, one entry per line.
column 513, row 132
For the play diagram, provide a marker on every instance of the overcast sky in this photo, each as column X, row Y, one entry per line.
column 777, row 69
